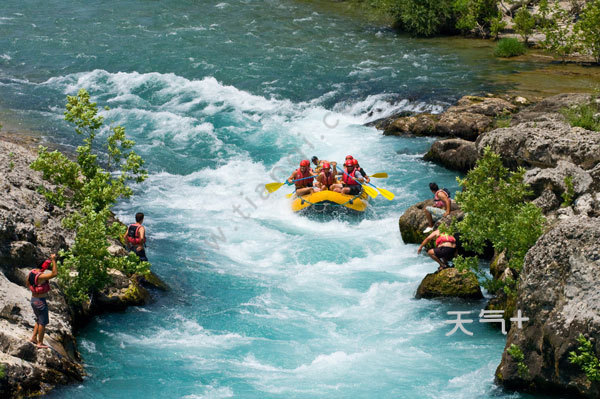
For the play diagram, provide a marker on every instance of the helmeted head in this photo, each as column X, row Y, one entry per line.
column 355, row 162
column 315, row 160
column 304, row 162
column 349, row 164
column 326, row 167
column 349, row 157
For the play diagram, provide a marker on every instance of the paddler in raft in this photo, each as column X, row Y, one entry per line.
column 304, row 172
column 327, row 180
column 351, row 179
column 319, row 163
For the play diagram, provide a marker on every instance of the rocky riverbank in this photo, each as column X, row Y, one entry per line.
column 557, row 289
column 30, row 229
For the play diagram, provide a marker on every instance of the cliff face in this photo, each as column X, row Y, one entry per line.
column 559, row 293
column 30, row 229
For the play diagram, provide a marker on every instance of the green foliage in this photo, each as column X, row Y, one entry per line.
column 509, row 47
column 556, row 22
column 524, row 23
column 515, row 352
column 585, row 115
column 2, row 371
column 92, row 190
column 475, row 14
column 425, row 17
column 497, row 25
column 587, row 30
column 493, row 199
column 586, row 359
column 569, row 193
column 502, row 121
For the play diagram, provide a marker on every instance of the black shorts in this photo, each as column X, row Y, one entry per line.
column 446, row 253
column 40, row 309
column 355, row 189
column 141, row 254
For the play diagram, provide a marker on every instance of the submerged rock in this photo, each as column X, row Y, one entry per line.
column 559, row 294
column 449, row 283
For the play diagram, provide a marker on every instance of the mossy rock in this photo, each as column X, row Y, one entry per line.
column 450, row 283
column 413, row 222
column 151, row 280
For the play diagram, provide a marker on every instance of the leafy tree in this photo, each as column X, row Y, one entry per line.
column 493, row 199
column 497, row 24
column 426, row 17
column 475, row 15
column 556, row 22
column 91, row 189
column 524, row 23
column 587, row 30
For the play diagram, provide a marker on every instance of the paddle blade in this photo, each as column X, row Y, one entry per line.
column 272, row 187
column 289, row 195
column 381, row 175
column 386, row 194
column 370, row 192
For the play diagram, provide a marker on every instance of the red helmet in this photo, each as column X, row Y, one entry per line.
column 304, row 162
column 355, row 162
column 326, row 165
column 46, row 264
column 349, row 157
column 349, row 162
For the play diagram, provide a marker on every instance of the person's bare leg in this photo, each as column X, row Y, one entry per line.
column 41, row 331
column 431, row 254
column 303, row 191
column 35, row 333
column 429, row 218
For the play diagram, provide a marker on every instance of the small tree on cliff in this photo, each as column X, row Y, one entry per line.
column 587, row 30
column 493, row 199
column 92, row 190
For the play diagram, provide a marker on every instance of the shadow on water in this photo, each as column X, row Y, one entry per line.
column 328, row 212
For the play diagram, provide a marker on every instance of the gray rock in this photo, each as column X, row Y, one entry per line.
column 547, row 201
column 449, row 283
column 541, row 179
column 413, row 221
column 455, row 154
column 543, row 144
column 559, row 294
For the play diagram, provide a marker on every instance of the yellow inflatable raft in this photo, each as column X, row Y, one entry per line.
column 322, row 199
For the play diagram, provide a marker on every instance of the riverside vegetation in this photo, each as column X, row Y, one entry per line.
column 568, row 29
column 91, row 188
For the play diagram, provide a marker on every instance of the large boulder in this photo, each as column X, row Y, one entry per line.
column 455, row 154
column 549, row 108
column 489, row 106
column 413, row 221
column 449, row 283
column 559, row 293
column 543, row 145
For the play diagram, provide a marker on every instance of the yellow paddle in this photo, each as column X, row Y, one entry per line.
column 272, row 187
column 381, row 175
column 385, row 193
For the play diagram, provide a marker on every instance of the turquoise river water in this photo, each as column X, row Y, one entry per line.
column 221, row 98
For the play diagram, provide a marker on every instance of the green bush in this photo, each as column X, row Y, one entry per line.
column 587, row 30
column 585, row 115
column 517, row 354
column 92, row 190
column 569, row 193
column 524, row 23
column 493, row 199
column 509, row 47
column 475, row 14
column 586, row 359
column 425, row 17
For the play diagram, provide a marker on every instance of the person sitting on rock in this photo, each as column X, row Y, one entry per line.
column 445, row 248
column 135, row 237
column 441, row 206
column 38, row 284
column 305, row 173
column 326, row 179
